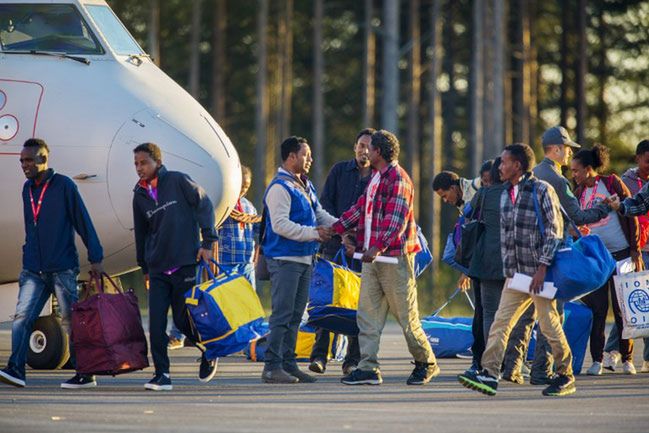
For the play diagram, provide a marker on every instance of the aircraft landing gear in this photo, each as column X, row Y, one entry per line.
column 48, row 344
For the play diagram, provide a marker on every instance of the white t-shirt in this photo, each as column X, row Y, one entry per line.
column 369, row 206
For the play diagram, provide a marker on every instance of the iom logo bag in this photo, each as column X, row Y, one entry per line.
column 633, row 296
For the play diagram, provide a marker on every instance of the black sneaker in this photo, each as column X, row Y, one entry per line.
column 422, row 373
column 561, row 385
column 80, row 381
column 482, row 382
column 207, row 370
column 363, row 377
column 318, row 366
column 11, row 377
column 160, row 382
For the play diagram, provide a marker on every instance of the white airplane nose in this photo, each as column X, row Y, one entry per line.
column 213, row 163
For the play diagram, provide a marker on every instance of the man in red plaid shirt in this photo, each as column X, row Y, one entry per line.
column 385, row 226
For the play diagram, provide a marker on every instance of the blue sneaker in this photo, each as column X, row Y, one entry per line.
column 363, row 377
column 160, row 382
column 11, row 377
column 479, row 381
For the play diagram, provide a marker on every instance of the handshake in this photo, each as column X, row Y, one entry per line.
column 324, row 233
column 613, row 202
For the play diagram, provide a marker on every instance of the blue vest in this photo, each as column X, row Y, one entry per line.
column 302, row 212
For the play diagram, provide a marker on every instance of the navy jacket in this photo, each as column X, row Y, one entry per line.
column 49, row 245
column 166, row 230
column 343, row 187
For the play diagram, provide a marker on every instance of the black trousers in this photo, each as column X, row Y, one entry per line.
column 477, row 329
column 168, row 291
column 321, row 347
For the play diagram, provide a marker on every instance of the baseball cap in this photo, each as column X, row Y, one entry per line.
column 558, row 135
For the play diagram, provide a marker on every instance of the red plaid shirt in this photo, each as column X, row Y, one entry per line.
column 394, row 231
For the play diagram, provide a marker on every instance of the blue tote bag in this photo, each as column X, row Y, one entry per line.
column 579, row 267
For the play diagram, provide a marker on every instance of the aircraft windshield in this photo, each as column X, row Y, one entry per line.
column 45, row 27
column 115, row 33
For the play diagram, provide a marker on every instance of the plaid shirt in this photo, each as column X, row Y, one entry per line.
column 523, row 247
column 393, row 223
column 237, row 240
column 638, row 204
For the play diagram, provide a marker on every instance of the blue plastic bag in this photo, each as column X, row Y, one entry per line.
column 579, row 267
column 577, row 324
column 423, row 258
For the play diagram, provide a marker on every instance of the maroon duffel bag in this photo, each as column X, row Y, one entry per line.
column 107, row 332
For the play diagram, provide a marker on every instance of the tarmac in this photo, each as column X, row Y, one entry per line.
column 236, row 401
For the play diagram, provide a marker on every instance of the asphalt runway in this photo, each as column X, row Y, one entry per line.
column 236, row 401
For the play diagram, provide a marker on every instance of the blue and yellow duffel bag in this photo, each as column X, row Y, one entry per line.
column 225, row 311
column 256, row 350
column 333, row 296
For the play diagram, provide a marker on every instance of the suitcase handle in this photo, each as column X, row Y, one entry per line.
column 450, row 298
column 204, row 266
column 99, row 282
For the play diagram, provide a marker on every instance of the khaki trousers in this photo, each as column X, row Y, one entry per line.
column 389, row 287
column 512, row 305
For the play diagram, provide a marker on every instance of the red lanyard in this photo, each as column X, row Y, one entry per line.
column 592, row 196
column 512, row 195
column 37, row 209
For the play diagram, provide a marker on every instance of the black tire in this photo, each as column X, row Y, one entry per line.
column 48, row 345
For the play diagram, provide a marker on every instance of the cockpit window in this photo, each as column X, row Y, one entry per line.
column 45, row 27
column 115, row 33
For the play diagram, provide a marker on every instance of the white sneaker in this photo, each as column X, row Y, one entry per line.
column 595, row 369
column 611, row 359
column 628, row 368
column 645, row 367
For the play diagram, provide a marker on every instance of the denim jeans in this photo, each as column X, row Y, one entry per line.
column 35, row 290
column 245, row 269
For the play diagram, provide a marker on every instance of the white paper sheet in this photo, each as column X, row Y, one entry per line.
column 625, row 266
column 380, row 259
column 521, row 283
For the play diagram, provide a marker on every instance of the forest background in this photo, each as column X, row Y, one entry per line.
column 456, row 80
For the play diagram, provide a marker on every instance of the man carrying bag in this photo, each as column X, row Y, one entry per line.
column 168, row 210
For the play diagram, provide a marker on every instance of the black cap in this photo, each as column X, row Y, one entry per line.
column 557, row 135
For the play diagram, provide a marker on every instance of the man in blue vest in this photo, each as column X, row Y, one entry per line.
column 53, row 211
column 295, row 222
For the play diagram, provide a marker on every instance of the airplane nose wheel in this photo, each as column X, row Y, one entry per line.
column 48, row 345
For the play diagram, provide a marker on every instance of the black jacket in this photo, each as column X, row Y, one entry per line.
column 166, row 231
column 486, row 262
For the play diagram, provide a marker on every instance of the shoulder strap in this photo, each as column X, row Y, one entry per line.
column 608, row 183
column 537, row 210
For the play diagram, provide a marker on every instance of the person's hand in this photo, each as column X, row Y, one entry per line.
column 324, row 233
column 584, row 230
column 350, row 245
column 96, row 269
column 636, row 257
column 613, row 201
column 146, row 281
column 536, row 286
column 370, row 254
column 464, row 283
column 204, row 254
